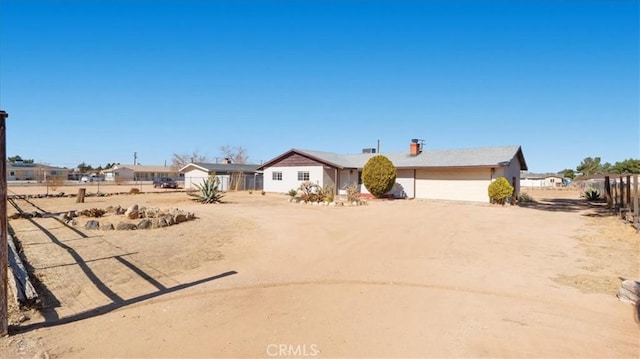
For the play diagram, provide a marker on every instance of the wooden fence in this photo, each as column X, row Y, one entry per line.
column 621, row 193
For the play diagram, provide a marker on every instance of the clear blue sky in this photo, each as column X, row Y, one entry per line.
column 96, row 81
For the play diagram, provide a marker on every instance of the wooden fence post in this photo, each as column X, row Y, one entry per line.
column 628, row 190
column 4, row 247
column 81, row 193
column 636, row 210
column 621, row 206
column 607, row 192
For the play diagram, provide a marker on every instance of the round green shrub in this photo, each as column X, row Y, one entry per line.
column 378, row 175
column 500, row 190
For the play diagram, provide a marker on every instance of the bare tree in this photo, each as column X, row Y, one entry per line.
column 236, row 154
column 180, row 160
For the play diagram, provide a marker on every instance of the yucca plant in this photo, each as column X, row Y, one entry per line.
column 208, row 191
column 592, row 194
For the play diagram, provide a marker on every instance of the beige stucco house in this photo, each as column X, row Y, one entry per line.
column 544, row 180
column 140, row 173
column 457, row 174
column 34, row 172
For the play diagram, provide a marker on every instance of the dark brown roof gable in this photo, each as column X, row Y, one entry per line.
column 293, row 158
column 520, row 156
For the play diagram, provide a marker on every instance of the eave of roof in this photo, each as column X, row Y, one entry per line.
column 222, row 167
column 456, row 158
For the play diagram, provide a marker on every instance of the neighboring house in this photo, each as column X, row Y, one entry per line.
column 233, row 176
column 541, row 180
column 459, row 174
column 139, row 173
column 20, row 171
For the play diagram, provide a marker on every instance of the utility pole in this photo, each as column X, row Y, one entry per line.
column 135, row 158
column 4, row 254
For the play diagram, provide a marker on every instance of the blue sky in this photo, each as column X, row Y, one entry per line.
column 96, row 81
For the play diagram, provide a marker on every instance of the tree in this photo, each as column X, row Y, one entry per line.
column 84, row 168
column 379, row 175
column 590, row 166
column 180, row 160
column 627, row 166
column 14, row 159
column 568, row 173
column 236, row 154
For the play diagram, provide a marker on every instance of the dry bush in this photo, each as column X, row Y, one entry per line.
column 93, row 212
column 134, row 190
column 55, row 182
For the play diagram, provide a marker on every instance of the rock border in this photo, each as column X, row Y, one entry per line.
column 150, row 218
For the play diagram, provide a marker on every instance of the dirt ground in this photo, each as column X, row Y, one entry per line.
column 261, row 277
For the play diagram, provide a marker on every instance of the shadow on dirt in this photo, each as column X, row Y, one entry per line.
column 593, row 209
column 49, row 300
column 115, row 305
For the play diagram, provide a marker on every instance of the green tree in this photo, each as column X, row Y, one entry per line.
column 589, row 166
column 379, row 175
column 568, row 173
column 14, row 159
column 627, row 166
column 84, row 168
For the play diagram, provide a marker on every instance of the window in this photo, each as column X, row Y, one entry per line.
column 12, row 173
column 276, row 176
column 303, row 175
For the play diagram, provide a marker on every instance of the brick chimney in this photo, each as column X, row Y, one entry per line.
column 415, row 148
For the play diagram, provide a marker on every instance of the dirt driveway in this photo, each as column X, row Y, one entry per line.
column 261, row 277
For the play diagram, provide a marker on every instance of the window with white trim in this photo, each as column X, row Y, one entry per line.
column 276, row 176
column 303, row 175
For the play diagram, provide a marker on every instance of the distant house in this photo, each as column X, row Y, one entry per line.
column 139, row 173
column 20, row 171
column 540, row 180
column 458, row 174
column 233, row 176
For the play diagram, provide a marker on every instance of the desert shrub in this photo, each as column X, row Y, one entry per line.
column 379, row 175
column 55, row 182
column 263, row 193
column 208, row 191
column 592, row 194
column 353, row 193
column 310, row 192
column 93, row 212
column 328, row 192
column 500, row 190
column 119, row 180
column 524, row 197
column 134, row 191
column 292, row 193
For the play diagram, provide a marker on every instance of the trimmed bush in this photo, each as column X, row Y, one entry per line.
column 500, row 190
column 378, row 175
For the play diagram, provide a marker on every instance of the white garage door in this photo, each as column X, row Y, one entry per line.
column 453, row 184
